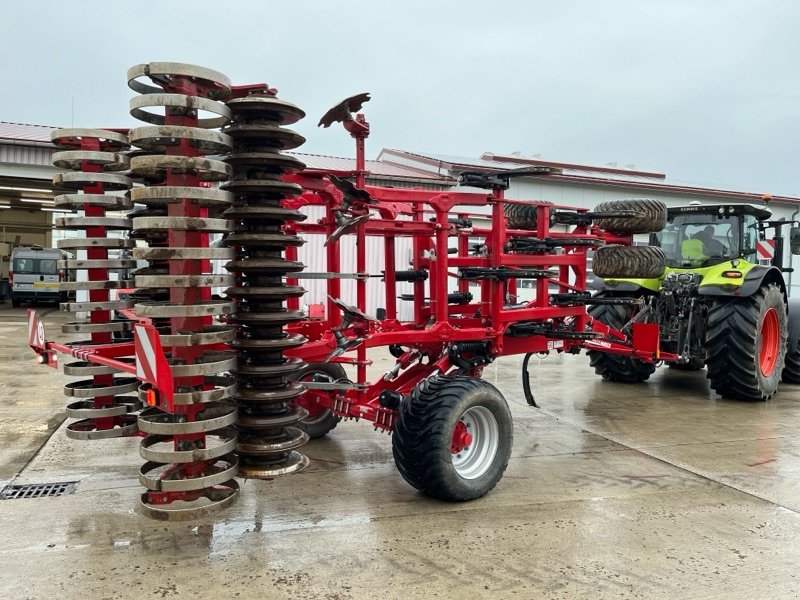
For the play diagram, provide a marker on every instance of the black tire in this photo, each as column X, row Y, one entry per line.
column 522, row 216
column 15, row 302
column 319, row 425
column 615, row 367
column 791, row 367
column 735, row 339
column 626, row 262
column 423, row 438
column 652, row 215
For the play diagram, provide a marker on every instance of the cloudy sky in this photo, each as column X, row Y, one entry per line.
column 707, row 91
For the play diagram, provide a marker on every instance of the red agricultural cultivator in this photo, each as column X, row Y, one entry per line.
column 243, row 381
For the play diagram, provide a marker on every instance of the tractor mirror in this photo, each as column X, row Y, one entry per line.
column 794, row 240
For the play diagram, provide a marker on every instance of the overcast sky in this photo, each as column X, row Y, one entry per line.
column 706, row 91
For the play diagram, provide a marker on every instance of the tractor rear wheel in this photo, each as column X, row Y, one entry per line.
column 629, row 262
column 320, row 420
column 453, row 438
column 615, row 367
column 791, row 368
column 746, row 344
column 652, row 215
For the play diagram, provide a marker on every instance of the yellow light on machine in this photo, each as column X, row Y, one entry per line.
column 732, row 274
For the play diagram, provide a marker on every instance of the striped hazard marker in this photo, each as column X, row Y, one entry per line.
column 151, row 364
column 765, row 249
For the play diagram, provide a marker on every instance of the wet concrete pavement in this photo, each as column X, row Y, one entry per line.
column 659, row 490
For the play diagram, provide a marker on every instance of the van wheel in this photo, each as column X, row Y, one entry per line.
column 15, row 302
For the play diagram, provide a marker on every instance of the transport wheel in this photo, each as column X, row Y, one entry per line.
column 746, row 344
column 623, row 262
column 791, row 368
column 615, row 367
column 15, row 302
column 453, row 438
column 652, row 215
column 320, row 420
column 522, row 216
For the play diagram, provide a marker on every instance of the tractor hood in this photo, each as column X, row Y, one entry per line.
column 733, row 277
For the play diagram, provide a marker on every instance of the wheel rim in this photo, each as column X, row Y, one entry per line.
column 476, row 438
column 309, row 400
column 770, row 338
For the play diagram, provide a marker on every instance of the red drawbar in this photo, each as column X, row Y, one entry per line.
column 645, row 337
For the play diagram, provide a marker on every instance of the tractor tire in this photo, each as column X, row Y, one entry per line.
column 629, row 262
column 615, row 367
column 453, row 438
column 652, row 215
column 791, row 367
column 746, row 344
column 320, row 421
column 522, row 216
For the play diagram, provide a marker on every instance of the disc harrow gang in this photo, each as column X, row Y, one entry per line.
column 96, row 161
column 191, row 463
column 268, row 436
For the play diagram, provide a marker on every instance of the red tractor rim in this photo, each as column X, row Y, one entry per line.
column 770, row 342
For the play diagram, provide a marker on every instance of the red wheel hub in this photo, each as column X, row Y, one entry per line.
column 770, row 342
column 461, row 438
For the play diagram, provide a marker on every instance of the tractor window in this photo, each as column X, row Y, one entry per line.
column 749, row 238
column 699, row 240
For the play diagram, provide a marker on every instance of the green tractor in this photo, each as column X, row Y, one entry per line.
column 715, row 305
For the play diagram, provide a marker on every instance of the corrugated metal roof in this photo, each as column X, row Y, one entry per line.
column 376, row 168
column 444, row 164
column 608, row 170
column 25, row 132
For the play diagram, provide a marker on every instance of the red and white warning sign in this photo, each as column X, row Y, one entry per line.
column 36, row 336
column 765, row 249
column 151, row 364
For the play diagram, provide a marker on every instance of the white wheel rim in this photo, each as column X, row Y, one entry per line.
column 474, row 460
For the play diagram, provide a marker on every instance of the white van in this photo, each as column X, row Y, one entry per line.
column 34, row 275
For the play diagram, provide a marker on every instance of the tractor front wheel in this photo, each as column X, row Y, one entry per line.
column 453, row 438
column 746, row 344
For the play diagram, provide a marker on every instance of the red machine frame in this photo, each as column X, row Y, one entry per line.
column 447, row 333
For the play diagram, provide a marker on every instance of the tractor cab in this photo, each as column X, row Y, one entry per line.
column 705, row 235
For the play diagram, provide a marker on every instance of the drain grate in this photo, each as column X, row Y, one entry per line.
column 38, row 490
